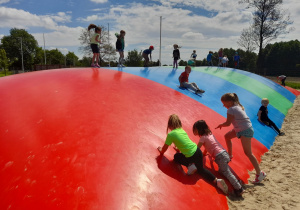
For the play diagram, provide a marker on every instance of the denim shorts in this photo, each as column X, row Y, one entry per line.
column 247, row 133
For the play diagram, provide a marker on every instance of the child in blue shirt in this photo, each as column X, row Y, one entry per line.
column 145, row 55
column 209, row 58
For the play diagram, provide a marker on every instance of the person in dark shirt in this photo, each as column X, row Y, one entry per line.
column 263, row 116
column 281, row 78
column 176, row 55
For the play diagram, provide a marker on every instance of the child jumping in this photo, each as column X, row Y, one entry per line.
column 243, row 129
column 120, row 44
column 145, row 55
column 263, row 116
column 217, row 152
column 184, row 81
column 236, row 59
column 176, row 55
column 220, row 54
column 225, row 61
column 95, row 41
column 188, row 152
column 209, row 58
column 194, row 55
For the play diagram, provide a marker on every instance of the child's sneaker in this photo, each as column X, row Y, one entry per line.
column 259, row 177
column 239, row 192
column 191, row 169
column 93, row 65
column 281, row 134
column 97, row 65
column 222, row 185
column 200, row 91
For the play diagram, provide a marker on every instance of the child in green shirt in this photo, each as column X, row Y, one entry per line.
column 188, row 153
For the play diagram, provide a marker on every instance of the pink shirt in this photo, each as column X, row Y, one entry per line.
column 211, row 144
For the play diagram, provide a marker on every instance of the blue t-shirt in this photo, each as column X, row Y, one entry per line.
column 147, row 51
column 236, row 58
column 209, row 56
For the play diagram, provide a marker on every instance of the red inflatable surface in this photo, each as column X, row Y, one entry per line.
column 87, row 139
column 294, row 91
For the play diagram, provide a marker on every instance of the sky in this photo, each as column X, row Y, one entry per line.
column 199, row 25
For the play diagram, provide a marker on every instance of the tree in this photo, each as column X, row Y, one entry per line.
column 182, row 63
column 246, row 40
column 39, row 57
column 55, row 57
column 85, row 61
column 269, row 21
column 12, row 46
column 71, row 59
column 107, row 51
column 134, row 58
column 282, row 58
column 4, row 62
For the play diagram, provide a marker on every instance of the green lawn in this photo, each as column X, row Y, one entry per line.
column 2, row 74
column 295, row 85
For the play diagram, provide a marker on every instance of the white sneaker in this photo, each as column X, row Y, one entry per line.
column 191, row 169
column 222, row 185
column 259, row 178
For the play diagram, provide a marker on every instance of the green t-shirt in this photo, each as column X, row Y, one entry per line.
column 182, row 141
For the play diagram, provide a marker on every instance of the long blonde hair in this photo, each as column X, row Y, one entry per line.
column 232, row 97
column 174, row 122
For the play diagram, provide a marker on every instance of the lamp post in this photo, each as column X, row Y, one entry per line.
column 160, row 41
column 108, row 47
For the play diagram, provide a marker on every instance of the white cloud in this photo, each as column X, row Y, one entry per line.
column 217, row 24
column 4, row 1
column 62, row 37
column 24, row 19
column 179, row 26
column 99, row 1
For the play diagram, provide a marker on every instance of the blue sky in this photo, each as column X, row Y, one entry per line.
column 193, row 24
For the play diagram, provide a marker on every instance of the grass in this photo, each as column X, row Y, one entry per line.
column 295, row 85
column 2, row 74
column 293, row 82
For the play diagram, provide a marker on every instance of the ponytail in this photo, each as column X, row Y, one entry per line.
column 232, row 97
column 97, row 28
column 237, row 100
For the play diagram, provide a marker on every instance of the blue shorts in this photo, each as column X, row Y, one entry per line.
column 120, row 50
column 247, row 133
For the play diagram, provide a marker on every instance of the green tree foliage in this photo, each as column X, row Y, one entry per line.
column 182, row 63
column 282, row 58
column 4, row 62
column 71, row 59
column 134, row 58
column 85, row 61
column 12, row 46
column 39, row 57
column 107, row 50
column 55, row 57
